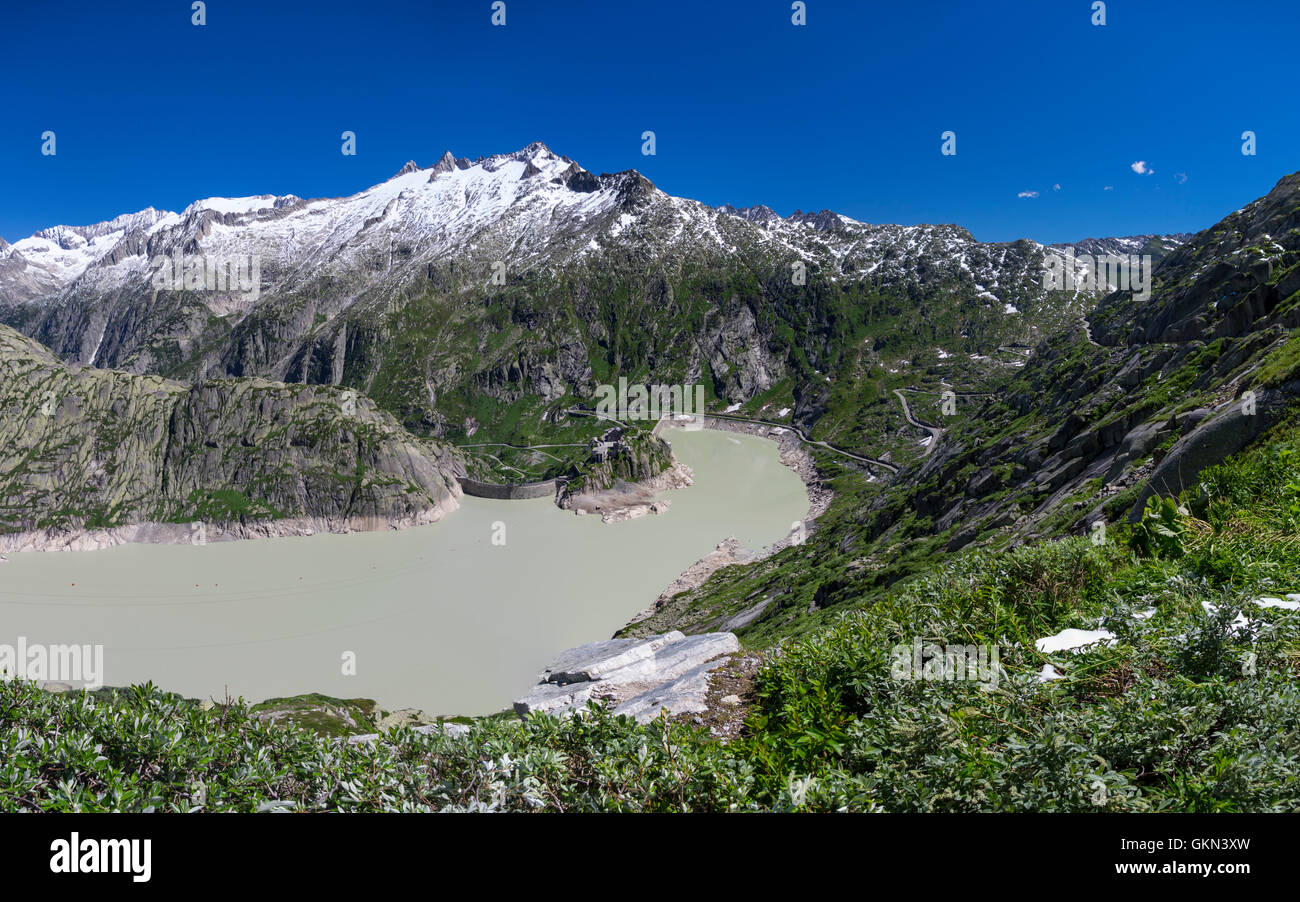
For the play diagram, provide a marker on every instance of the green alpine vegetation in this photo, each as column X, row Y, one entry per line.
column 1189, row 709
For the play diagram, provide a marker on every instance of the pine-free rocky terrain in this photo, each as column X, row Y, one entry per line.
column 1110, row 496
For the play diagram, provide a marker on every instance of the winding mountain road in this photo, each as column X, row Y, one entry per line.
column 935, row 432
column 599, row 416
column 1087, row 332
column 803, row 437
column 537, row 448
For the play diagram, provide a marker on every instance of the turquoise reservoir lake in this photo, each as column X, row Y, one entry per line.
column 437, row 617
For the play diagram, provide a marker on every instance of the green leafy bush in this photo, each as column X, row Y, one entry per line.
column 1161, row 530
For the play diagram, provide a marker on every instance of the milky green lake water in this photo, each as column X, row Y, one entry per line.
column 438, row 617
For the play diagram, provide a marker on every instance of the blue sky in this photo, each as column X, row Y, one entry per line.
column 844, row 113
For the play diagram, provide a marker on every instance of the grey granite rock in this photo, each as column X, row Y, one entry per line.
column 684, row 695
column 637, row 677
column 628, row 658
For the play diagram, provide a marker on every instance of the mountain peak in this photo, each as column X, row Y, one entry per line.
column 532, row 151
column 823, row 220
column 411, row 166
column 446, row 163
column 760, row 213
column 77, row 236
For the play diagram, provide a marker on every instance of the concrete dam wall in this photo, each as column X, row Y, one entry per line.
column 508, row 492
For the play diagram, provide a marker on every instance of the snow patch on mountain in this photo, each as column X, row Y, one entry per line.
column 530, row 210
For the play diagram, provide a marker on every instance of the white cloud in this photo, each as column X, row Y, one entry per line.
column 1056, row 187
column 1141, row 168
column 1027, row 194
column 1181, row 177
column 1109, row 188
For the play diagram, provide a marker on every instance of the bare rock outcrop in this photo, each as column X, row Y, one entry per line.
column 92, row 457
column 635, row 677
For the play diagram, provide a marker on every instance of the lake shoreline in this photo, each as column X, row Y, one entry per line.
column 635, row 500
column 152, row 533
column 632, row 500
column 729, row 551
column 286, row 611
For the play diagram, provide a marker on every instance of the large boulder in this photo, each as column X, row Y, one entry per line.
column 1233, row 427
column 1137, row 444
column 687, row 694
column 636, row 677
column 612, row 659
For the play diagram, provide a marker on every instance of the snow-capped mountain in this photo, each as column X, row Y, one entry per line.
column 49, row 260
column 527, row 240
column 1156, row 245
column 519, row 208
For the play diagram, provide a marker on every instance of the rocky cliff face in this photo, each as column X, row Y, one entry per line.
column 84, row 450
column 1139, row 399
